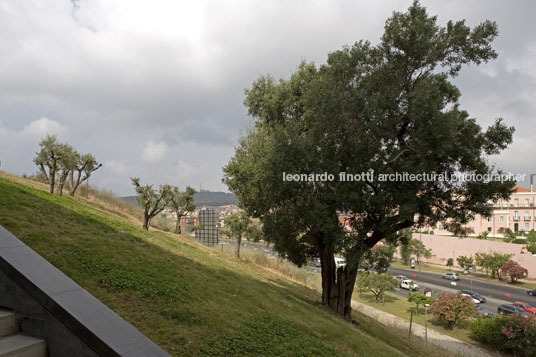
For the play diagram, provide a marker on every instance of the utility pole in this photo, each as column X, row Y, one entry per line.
column 420, row 238
column 426, row 322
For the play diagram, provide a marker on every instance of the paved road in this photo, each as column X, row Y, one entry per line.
column 433, row 281
column 491, row 305
column 494, row 292
column 489, row 290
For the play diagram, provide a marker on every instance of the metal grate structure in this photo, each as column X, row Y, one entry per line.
column 209, row 235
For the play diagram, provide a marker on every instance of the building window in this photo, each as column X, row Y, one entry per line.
column 526, row 202
column 502, row 218
column 516, row 202
column 527, row 226
column 527, row 214
column 489, row 219
column 516, row 214
column 441, row 227
column 489, row 229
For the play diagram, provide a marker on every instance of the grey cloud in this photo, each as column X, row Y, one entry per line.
column 119, row 74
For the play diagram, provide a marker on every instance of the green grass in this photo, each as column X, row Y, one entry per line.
column 189, row 299
column 400, row 307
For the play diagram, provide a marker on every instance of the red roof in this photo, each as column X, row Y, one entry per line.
column 521, row 189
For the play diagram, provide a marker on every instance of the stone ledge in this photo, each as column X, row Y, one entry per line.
column 97, row 326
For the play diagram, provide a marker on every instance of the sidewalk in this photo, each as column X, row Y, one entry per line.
column 449, row 343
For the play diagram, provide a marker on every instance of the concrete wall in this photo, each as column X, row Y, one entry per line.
column 51, row 306
column 445, row 247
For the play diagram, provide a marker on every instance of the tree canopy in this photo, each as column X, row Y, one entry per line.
column 151, row 201
column 238, row 224
column 181, row 203
column 419, row 299
column 62, row 160
column 373, row 112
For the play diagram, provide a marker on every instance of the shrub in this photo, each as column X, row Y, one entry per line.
column 451, row 308
column 483, row 235
column 521, row 334
column 515, row 270
column 531, row 241
column 489, row 331
column 513, row 332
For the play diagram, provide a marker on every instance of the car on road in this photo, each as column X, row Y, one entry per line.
column 483, row 311
column 525, row 307
column 401, row 277
column 531, row 292
column 476, row 296
column 451, row 276
column 340, row 262
column 409, row 285
column 475, row 301
column 511, row 309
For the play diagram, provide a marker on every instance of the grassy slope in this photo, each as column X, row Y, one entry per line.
column 189, row 299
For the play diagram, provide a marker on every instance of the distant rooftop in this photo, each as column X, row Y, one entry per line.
column 521, row 189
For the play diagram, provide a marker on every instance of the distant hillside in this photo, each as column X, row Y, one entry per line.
column 203, row 198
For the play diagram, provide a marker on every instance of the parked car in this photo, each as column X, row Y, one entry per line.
column 409, row 285
column 525, row 307
column 531, row 292
column 483, row 311
column 511, row 309
column 401, row 277
column 474, row 295
column 451, row 276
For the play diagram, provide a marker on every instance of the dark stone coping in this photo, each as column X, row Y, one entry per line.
column 91, row 321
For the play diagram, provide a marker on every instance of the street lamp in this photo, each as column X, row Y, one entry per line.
column 426, row 322
column 428, row 294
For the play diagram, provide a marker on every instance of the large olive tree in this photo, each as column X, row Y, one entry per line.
column 381, row 110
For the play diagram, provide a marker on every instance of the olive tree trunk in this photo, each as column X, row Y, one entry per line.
column 337, row 284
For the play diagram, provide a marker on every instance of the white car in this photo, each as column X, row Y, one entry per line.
column 451, row 276
column 475, row 301
column 409, row 285
column 340, row 262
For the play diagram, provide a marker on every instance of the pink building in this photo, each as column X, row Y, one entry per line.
column 517, row 213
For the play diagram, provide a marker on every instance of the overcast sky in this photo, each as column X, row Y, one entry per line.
column 155, row 88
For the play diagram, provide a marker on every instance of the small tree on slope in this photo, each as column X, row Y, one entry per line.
column 153, row 202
